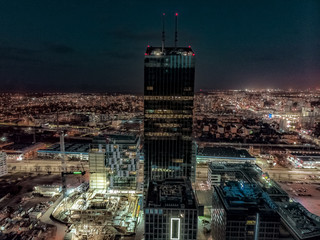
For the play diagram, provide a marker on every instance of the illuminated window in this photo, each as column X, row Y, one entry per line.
column 175, row 229
column 176, row 160
column 149, row 88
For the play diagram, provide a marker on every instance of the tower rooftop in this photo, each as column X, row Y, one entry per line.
column 157, row 51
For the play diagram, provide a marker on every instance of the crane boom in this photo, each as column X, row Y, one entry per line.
column 63, row 164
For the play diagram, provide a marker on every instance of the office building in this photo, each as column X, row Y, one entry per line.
column 97, row 164
column 114, row 162
column 221, row 172
column 224, row 155
column 3, row 164
column 168, row 112
column 73, row 151
column 122, row 158
column 231, row 194
column 171, row 210
column 242, row 211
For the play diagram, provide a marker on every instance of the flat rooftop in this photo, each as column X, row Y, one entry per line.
column 122, row 139
column 171, row 193
column 304, row 224
column 69, row 148
column 243, row 196
column 250, row 173
column 299, row 220
column 307, row 157
column 224, row 152
column 17, row 146
column 157, row 51
column 20, row 147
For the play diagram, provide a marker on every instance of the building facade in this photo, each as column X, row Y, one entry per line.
column 171, row 211
column 168, row 112
column 3, row 164
column 240, row 211
column 97, row 164
column 114, row 162
column 122, row 158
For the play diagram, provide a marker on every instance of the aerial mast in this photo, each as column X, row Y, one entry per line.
column 163, row 33
column 176, row 31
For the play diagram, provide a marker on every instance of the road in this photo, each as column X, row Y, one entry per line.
column 61, row 228
column 277, row 173
column 45, row 165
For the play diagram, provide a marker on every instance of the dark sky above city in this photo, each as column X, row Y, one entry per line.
column 99, row 45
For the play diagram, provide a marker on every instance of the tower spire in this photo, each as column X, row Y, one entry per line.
column 163, row 33
column 176, row 31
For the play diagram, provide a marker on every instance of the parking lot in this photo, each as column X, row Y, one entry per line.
column 304, row 192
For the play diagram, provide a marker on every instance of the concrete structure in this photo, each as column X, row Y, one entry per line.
column 171, row 210
column 98, row 215
column 240, row 210
column 3, row 164
column 47, row 190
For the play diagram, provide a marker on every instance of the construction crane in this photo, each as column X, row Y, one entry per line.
column 64, row 167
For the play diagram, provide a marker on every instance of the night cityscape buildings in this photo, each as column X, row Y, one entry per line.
column 159, row 156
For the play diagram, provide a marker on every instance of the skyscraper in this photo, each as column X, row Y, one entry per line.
column 171, row 208
column 168, row 111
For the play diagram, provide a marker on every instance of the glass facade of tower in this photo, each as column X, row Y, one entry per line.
column 168, row 112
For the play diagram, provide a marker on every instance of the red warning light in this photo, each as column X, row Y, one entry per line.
column 193, row 54
column 148, row 45
column 163, row 14
column 146, row 54
column 176, row 14
column 189, row 46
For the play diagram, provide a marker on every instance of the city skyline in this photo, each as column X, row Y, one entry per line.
column 117, row 120
column 84, row 47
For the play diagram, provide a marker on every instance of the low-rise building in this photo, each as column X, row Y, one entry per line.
column 235, row 180
column 73, row 151
column 224, row 155
column 304, row 160
column 19, row 151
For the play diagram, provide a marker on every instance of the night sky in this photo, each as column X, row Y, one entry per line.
column 99, row 45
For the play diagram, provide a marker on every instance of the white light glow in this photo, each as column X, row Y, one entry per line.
column 171, row 229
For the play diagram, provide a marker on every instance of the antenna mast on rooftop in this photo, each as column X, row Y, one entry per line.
column 163, row 34
column 176, row 31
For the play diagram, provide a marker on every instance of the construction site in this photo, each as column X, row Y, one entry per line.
column 96, row 213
